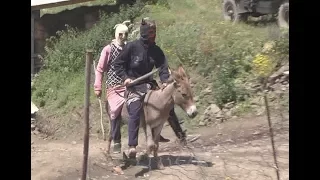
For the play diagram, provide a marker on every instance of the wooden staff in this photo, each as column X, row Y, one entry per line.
column 135, row 81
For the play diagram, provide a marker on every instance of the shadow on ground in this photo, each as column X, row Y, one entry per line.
column 150, row 164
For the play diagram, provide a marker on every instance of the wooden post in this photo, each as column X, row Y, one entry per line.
column 86, row 115
column 32, row 43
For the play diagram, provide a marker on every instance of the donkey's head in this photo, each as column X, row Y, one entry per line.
column 183, row 95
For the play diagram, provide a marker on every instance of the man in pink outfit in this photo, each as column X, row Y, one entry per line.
column 115, row 101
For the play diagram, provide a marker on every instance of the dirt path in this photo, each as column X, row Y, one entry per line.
column 238, row 149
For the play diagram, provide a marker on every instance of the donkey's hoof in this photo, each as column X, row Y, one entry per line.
column 132, row 153
column 151, row 146
column 143, row 157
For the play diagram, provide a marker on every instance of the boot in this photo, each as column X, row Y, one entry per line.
column 117, row 148
column 162, row 139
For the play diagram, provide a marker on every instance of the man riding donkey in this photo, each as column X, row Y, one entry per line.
column 137, row 59
column 115, row 95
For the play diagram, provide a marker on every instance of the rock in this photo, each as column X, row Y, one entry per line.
column 286, row 73
column 284, row 78
column 228, row 114
column 214, row 113
column 33, row 127
column 257, row 101
column 202, row 123
column 206, row 91
column 276, row 87
column 74, row 142
column 260, row 111
column 212, row 109
column 256, row 133
column 278, row 73
column 233, row 117
column 229, row 140
column 229, row 105
column 271, row 96
column 219, row 114
column 118, row 170
column 36, row 132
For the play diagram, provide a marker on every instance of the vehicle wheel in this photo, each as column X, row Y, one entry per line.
column 230, row 12
column 283, row 15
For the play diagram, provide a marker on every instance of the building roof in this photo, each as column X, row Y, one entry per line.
column 42, row 4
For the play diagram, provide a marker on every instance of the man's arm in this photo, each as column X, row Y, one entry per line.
column 162, row 64
column 120, row 63
column 101, row 67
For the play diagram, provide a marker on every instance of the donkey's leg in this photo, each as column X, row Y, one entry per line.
column 157, row 132
column 145, row 153
column 150, row 139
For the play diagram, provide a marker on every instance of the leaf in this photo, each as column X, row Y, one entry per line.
column 118, row 170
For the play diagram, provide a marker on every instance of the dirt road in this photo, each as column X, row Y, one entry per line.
column 239, row 149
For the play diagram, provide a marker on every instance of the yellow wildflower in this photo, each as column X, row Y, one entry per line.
column 262, row 65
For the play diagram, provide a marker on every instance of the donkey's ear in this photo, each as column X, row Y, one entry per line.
column 182, row 72
column 176, row 76
column 143, row 21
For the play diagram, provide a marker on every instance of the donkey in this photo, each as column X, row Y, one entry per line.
column 156, row 107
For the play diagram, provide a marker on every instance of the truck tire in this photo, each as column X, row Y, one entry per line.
column 231, row 13
column 283, row 15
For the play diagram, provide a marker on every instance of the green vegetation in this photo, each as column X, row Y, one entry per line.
column 217, row 54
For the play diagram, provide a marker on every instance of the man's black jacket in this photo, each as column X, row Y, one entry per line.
column 137, row 59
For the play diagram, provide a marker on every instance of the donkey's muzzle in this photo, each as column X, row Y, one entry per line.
column 194, row 114
column 192, row 111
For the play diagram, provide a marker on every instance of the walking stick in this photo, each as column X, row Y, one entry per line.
column 101, row 110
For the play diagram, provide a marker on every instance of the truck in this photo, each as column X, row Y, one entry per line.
column 239, row 10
